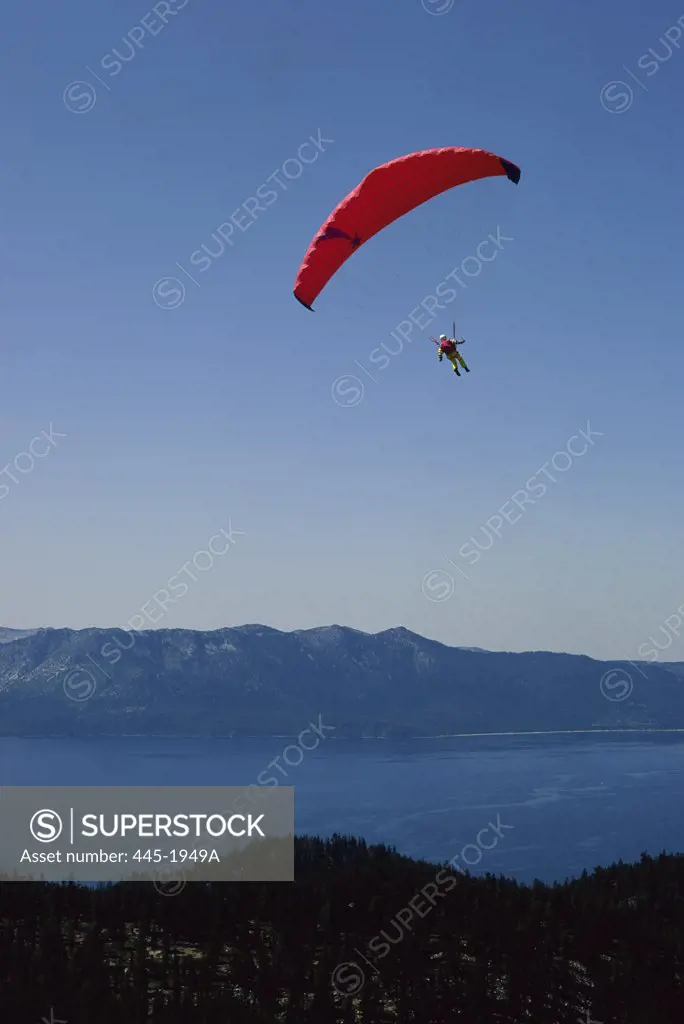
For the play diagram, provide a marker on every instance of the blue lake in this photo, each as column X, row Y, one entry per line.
column 574, row 801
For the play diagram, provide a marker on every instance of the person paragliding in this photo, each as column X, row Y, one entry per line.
column 449, row 347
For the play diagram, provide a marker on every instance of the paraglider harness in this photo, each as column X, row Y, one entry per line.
column 446, row 347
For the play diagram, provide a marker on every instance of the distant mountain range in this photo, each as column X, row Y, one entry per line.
column 254, row 680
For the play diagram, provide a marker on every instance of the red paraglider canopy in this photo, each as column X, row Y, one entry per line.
column 384, row 195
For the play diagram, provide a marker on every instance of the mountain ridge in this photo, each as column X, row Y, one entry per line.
column 6, row 636
column 257, row 680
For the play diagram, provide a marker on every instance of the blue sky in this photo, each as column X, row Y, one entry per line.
column 222, row 411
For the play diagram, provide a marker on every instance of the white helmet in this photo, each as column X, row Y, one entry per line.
column 442, row 337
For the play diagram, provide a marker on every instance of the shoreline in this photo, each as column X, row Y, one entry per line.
column 348, row 739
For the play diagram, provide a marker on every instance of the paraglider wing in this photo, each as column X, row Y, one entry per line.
column 384, row 195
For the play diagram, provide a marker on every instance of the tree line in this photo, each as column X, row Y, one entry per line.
column 363, row 936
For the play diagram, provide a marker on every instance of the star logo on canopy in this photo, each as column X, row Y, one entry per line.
column 337, row 233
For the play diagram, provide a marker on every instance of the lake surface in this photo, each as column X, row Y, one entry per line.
column 574, row 801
